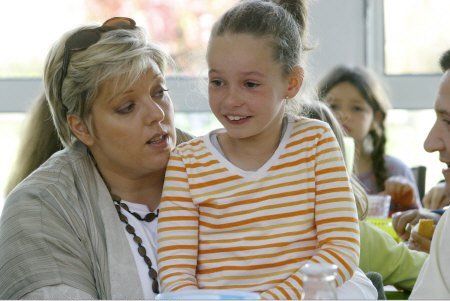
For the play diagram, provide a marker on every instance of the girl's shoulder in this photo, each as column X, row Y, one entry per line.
column 192, row 147
column 395, row 165
column 302, row 124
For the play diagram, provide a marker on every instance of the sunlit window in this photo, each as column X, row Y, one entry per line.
column 416, row 33
column 181, row 27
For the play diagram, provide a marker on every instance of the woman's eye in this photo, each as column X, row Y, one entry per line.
column 251, row 84
column 160, row 93
column 357, row 109
column 216, row 82
column 126, row 108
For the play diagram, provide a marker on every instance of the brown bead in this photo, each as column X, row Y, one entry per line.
column 142, row 251
column 123, row 218
column 152, row 273
column 130, row 229
column 137, row 239
column 147, row 260
column 155, row 287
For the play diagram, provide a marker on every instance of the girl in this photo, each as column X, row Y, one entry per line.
column 245, row 207
column 361, row 105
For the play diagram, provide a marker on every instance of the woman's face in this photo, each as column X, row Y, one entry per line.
column 352, row 110
column 134, row 132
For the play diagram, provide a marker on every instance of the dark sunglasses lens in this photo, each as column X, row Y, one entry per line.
column 120, row 22
column 82, row 39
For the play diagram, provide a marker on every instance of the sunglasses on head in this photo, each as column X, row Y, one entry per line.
column 82, row 39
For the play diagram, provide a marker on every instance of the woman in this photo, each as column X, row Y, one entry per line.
column 61, row 234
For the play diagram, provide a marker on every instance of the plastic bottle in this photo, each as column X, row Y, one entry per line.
column 319, row 281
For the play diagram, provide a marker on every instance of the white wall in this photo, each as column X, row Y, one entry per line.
column 338, row 31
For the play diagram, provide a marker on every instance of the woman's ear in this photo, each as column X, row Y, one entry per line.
column 80, row 130
column 295, row 81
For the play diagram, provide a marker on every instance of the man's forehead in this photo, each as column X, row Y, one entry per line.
column 442, row 104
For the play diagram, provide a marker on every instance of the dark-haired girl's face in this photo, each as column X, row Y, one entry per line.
column 352, row 110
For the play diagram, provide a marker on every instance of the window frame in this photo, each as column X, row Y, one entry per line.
column 407, row 91
column 188, row 93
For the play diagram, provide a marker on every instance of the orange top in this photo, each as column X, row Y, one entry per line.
column 221, row 227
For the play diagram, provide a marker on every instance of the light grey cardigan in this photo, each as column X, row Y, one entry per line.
column 59, row 228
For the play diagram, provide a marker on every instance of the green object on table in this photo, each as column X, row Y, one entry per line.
column 384, row 224
column 397, row 295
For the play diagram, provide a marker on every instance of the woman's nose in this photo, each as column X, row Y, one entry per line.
column 154, row 112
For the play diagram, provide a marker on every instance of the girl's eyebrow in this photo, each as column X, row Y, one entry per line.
column 257, row 73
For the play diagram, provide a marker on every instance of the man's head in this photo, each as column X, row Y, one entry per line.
column 439, row 137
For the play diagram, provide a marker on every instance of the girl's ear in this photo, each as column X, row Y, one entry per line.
column 377, row 121
column 378, row 116
column 80, row 130
column 295, row 81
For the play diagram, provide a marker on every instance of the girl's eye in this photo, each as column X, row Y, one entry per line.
column 251, row 84
column 216, row 82
column 357, row 109
column 333, row 106
column 128, row 108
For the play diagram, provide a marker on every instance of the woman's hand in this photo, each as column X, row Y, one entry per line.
column 436, row 198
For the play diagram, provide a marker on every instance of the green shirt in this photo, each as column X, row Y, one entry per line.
column 380, row 253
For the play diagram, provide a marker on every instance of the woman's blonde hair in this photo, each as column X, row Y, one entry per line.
column 121, row 56
column 38, row 142
column 320, row 111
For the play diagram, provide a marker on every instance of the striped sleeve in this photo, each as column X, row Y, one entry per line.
column 335, row 218
column 177, row 230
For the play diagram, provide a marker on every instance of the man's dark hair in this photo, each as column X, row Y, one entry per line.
column 445, row 61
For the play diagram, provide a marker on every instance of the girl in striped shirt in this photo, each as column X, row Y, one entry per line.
column 246, row 206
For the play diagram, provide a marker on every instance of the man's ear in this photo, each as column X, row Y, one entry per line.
column 80, row 130
column 295, row 81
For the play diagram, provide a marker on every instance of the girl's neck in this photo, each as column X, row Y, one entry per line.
column 143, row 189
column 252, row 152
column 363, row 163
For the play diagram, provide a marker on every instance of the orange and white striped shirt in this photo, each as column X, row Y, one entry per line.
column 221, row 227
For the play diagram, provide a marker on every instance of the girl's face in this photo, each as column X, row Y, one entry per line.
column 246, row 86
column 133, row 132
column 351, row 109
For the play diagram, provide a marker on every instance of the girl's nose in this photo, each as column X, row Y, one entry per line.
column 234, row 98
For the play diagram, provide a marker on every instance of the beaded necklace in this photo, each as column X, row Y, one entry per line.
column 141, row 249
column 130, row 229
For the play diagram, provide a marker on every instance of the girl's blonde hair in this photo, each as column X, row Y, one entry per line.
column 319, row 110
column 121, row 56
column 284, row 22
column 375, row 95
